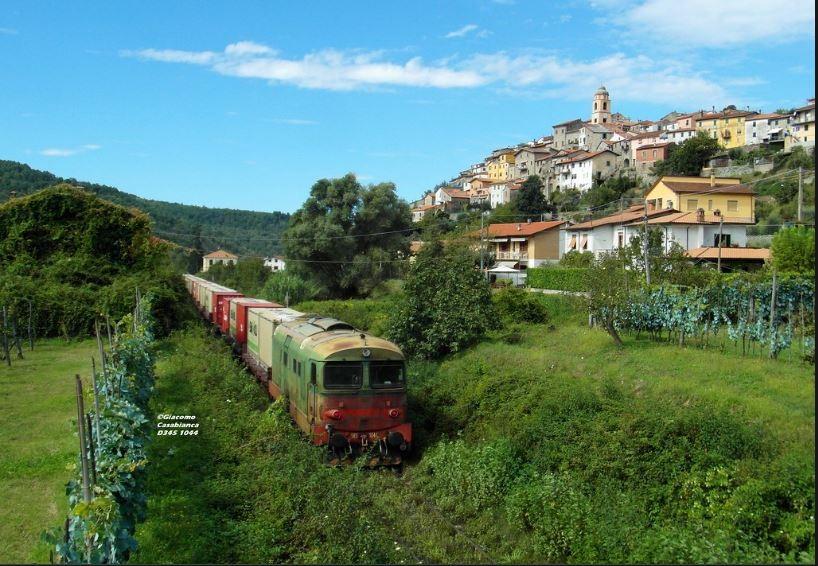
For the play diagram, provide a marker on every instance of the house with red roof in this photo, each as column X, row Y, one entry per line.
column 219, row 256
column 521, row 245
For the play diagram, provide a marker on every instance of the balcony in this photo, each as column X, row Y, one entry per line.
column 511, row 255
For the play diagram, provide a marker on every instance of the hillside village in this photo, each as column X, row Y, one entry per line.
column 696, row 213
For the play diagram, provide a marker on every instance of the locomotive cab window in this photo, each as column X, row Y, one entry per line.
column 340, row 375
column 386, row 374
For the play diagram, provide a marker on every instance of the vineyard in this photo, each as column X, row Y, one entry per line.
column 769, row 315
column 107, row 496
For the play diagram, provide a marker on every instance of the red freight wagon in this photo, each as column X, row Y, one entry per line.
column 219, row 303
column 238, row 317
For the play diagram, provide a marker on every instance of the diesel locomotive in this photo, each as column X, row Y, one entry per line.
column 346, row 389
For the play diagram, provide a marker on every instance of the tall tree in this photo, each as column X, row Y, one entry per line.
column 346, row 237
column 689, row 157
column 531, row 199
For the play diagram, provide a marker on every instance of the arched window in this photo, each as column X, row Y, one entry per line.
column 594, row 105
column 604, row 105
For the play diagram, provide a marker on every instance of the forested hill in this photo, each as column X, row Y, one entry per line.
column 239, row 231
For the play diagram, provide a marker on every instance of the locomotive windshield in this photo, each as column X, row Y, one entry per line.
column 386, row 374
column 338, row 375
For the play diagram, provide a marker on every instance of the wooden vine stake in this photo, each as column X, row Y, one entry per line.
column 90, row 443
column 96, row 403
column 772, row 317
column 100, row 346
column 86, row 488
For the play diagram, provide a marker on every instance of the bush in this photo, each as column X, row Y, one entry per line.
column 446, row 304
column 577, row 259
column 365, row 314
column 793, row 249
column 558, row 278
column 282, row 287
column 519, row 305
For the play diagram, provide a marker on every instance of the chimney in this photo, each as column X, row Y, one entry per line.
column 518, row 227
column 529, row 221
column 699, row 215
column 712, row 180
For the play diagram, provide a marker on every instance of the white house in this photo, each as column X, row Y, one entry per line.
column 275, row 263
column 757, row 128
column 690, row 230
column 501, row 193
column 219, row 256
column 679, row 135
column 580, row 171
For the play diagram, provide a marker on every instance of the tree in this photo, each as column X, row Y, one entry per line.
column 287, row 288
column 345, row 237
column 609, row 285
column 530, row 198
column 566, row 199
column 446, row 304
column 607, row 192
column 793, row 249
column 688, row 158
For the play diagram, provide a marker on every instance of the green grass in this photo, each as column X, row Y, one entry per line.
column 551, row 445
column 37, row 443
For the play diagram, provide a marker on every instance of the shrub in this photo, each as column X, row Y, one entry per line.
column 558, row 278
column 577, row 259
column 793, row 249
column 446, row 304
column 519, row 305
column 283, row 287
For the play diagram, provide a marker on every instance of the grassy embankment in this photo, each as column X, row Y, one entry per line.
column 542, row 444
column 37, row 443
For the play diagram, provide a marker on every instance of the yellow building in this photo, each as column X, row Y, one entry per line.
column 727, row 127
column 733, row 200
column 500, row 164
column 802, row 128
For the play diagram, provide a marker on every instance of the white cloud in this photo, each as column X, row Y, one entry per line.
column 68, row 152
column 531, row 73
column 461, row 32
column 705, row 23
column 295, row 121
column 326, row 69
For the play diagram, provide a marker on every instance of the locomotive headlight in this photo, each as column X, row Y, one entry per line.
column 394, row 413
column 334, row 414
column 365, row 352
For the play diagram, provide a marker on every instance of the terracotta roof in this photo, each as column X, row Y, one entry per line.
column 425, row 207
column 569, row 122
column 523, row 228
column 644, row 135
column 751, row 254
column 586, row 156
column 456, row 193
column 221, row 254
column 691, row 218
column 653, row 145
column 629, row 215
column 682, row 130
column 724, row 188
column 810, row 106
column 768, row 116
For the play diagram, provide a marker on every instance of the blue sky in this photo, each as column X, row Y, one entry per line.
column 246, row 104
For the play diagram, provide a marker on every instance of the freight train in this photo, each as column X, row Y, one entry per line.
column 345, row 389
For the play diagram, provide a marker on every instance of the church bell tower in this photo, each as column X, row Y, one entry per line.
column 601, row 113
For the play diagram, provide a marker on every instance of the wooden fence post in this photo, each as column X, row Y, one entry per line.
column 86, row 490
column 30, row 327
column 6, row 354
column 108, row 326
column 100, row 346
column 16, row 339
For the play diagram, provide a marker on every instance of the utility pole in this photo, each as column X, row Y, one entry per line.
column 721, row 235
column 645, row 243
column 800, row 191
column 481, row 241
